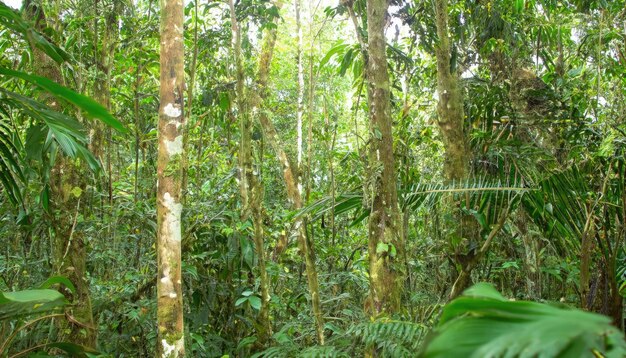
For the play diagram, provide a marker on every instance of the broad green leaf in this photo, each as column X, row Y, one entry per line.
column 58, row 280
column 255, row 302
column 481, row 323
column 240, row 301
column 483, row 289
column 247, row 251
column 392, row 251
column 23, row 303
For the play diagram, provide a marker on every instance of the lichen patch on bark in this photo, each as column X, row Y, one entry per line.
column 172, row 111
column 174, row 147
column 172, row 217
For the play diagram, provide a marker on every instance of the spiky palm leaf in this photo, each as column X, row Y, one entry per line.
column 487, row 199
column 10, row 167
column 51, row 129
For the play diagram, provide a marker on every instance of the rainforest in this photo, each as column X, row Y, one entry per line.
column 312, row 178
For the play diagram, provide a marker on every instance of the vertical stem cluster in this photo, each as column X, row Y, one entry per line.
column 290, row 177
column 169, row 178
column 250, row 187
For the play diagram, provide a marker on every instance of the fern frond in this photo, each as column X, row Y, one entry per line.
column 393, row 338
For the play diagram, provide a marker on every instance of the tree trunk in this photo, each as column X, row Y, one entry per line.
column 451, row 119
column 169, row 177
column 450, row 105
column 532, row 261
column 385, row 245
column 250, row 187
column 300, row 109
column 69, row 252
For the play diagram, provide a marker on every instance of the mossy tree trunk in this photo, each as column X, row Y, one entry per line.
column 250, row 187
column 70, row 251
column 450, row 106
column 170, row 340
column 451, row 118
column 385, row 244
column 105, row 54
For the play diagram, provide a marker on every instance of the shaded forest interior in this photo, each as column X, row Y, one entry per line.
column 270, row 178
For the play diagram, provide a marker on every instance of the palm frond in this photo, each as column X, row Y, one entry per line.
column 10, row 169
column 559, row 206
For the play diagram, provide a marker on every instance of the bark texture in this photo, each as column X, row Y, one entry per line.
column 385, row 245
column 70, row 251
column 450, row 106
column 451, row 118
column 170, row 340
column 300, row 110
column 251, row 188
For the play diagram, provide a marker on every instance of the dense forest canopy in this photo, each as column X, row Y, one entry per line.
column 315, row 178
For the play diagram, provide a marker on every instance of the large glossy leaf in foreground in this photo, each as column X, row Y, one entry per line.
column 482, row 323
column 23, row 303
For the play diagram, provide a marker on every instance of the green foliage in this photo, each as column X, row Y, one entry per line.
column 542, row 148
column 250, row 298
column 482, row 323
column 390, row 338
column 37, row 305
column 84, row 103
column 66, row 132
column 24, row 303
column 11, row 19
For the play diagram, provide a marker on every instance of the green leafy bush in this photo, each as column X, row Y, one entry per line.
column 482, row 323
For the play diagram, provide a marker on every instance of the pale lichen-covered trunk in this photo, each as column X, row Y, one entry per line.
column 250, row 187
column 385, row 245
column 290, row 176
column 170, row 340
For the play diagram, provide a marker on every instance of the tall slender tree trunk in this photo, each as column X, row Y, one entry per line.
column 385, row 244
column 69, row 251
column 289, row 174
column 250, row 187
column 169, row 179
column 451, row 118
column 300, row 109
column 104, row 59
column 450, row 105
column 190, row 94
